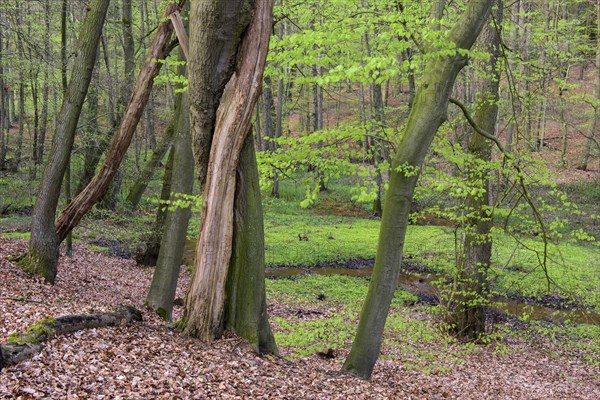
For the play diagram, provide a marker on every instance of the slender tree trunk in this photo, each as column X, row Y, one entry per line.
column 468, row 314
column 164, row 281
column 563, row 121
column 139, row 186
column 43, row 246
column 46, row 89
column 427, row 114
column 4, row 117
column 152, row 251
column 19, row 148
column 592, row 138
column 94, row 191
column 95, row 143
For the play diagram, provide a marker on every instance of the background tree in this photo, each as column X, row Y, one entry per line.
column 42, row 257
column 427, row 114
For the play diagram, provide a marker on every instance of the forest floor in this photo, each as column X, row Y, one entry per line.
column 150, row 360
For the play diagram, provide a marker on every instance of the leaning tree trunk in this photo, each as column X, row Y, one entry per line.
column 245, row 299
column 468, row 316
column 205, row 302
column 94, row 191
column 164, row 281
column 427, row 114
column 42, row 258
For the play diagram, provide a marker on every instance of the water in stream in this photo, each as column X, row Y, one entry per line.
column 422, row 285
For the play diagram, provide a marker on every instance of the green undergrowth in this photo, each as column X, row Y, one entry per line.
column 322, row 330
column 16, row 235
column 331, row 290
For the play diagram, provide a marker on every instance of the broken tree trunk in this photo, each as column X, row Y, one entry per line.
column 94, row 191
column 205, row 301
column 29, row 343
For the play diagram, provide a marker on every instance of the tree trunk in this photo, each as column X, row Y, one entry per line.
column 591, row 140
column 468, row 313
column 43, row 246
column 245, row 299
column 164, row 281
column 94, row 191
column 95, row 142
column 4, row 117
column 46, row 89
column 427, row 114
column 205, row 302
column 139, row 186
column 152, row 250
column 213, row 45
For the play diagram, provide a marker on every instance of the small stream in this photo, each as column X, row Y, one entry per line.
column 422, row 285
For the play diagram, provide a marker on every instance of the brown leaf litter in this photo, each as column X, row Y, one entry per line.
column 148, row 360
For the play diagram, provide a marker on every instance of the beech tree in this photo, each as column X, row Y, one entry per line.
column 468, row 309
column 42, row 257
column 164, row 281
column 428, row 112
column 228, row 47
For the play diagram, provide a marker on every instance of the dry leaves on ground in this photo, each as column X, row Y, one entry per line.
column 149, row 360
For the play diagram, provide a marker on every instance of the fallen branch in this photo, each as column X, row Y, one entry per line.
column 23, row 299
column 25, row 345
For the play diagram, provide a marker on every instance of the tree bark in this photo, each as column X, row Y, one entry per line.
column 213, row 45
column 246, row 303
column 164, row 281
column 591, row 140
column 42, row 258
column 468, row 313
column 94, row 191
column 30, row 343
column 141, row 183
column 427, row 114
column 205, row 302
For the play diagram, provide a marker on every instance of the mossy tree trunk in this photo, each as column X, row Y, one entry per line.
column 245, row 299
column 427, row 114
column 42, row 258
column 206, row 300
column 164, row 281
column 468, row 312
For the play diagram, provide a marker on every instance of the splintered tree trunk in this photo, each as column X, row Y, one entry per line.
column 205, row 302
column 468, row 316
column 213, row 42
column 42, row 258
column 164, row 281
column 427, row 114
column 98, row 186
column 246, row 303
column 595, row 122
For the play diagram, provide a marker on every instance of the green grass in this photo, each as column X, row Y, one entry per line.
column 334, row 290
column 331, row 330
column 16, row 235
